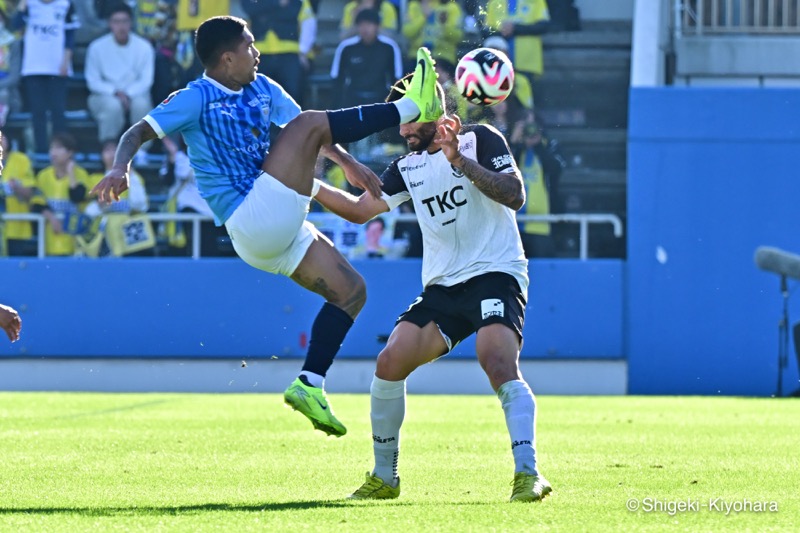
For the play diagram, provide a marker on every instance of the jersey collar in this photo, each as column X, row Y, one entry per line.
column 219, row 86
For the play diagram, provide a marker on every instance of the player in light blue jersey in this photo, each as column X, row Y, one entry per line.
column 262, row 195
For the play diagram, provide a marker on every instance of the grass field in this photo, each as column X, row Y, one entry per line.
column 192, row 462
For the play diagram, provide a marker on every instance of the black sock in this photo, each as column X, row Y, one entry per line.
column 327, row 335
column 356, row 123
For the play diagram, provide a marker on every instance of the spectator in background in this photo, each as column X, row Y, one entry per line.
column 388, row 17
column 505, row 115
column 184, row 197
column 436, row 24
column 10, row 65
column 119, row 73
column 521, row 98
column 285, row 31
column 373, row 247
column 18, row 188
column 453, row 99
column 133, row 200
column 112, row 223
column 46, row 62
column 521, row 23
column 541, row 165
column 62, row 193
column 188, row 15
column 365, row 66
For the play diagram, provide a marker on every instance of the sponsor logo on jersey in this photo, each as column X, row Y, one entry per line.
column 492, row 307
column 409, row 168
column 502, row 161
column 168, row 98
column 447, row 201
column 416, row 183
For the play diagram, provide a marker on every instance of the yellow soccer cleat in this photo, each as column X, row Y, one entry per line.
column 374, row 488
column 313, row 403
column 422, row 89
column 529, row 488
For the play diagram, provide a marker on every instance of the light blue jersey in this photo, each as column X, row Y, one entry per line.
column 227, row 133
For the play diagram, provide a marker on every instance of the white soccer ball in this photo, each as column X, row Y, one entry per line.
column 485, row 76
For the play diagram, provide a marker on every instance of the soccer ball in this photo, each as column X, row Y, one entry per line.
column 485, row 76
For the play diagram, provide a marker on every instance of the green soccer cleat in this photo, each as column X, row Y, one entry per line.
column 374, row 488
column 422, row 89
column 529, row 488
column 313, row 403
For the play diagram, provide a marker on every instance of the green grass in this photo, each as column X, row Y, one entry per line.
column 192, row 462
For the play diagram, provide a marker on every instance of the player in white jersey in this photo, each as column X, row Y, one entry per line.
column 262, row 194
column 466, row 188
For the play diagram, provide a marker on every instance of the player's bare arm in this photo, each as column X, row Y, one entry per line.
column 357, row 209
column 505, row 188
column 357, row 174
column 10, row 322
column 115, row 181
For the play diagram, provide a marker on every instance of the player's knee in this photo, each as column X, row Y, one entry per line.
column 498, row 368
column 391, row 365
column 312, row 122
column 358, row 292
column 353, row 296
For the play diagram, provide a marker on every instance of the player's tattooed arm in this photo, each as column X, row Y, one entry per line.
column 116, row 181
column 131, row 141
column 505, row 188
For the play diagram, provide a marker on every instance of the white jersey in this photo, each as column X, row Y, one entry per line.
column 464, row 232
column 45, row 39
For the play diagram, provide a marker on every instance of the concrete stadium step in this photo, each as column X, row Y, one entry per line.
column 604, row 148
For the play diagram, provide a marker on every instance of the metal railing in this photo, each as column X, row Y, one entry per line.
column 706, row 17
column 583, row 220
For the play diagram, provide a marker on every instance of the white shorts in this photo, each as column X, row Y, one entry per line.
column 269, row 230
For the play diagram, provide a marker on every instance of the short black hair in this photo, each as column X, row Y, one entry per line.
column 216, row 36
column 108, row 142
column 398, row 90
column 118, row 7
column 66, row 140
column 368, row 15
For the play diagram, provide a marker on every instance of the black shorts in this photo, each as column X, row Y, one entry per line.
column 461, row 310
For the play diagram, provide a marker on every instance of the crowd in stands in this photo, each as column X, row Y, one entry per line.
column 136, row 53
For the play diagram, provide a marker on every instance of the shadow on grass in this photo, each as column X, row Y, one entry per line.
column 214, row 507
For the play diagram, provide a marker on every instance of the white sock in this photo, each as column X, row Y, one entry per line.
column 314, row 379
column 388, row 401
column 409, row 111
column 519, row 406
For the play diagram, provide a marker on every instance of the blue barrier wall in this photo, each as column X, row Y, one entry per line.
column 712, row 174
column 224, row 308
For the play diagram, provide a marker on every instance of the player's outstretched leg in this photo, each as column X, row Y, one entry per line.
column 312, row 402
column 326, row 272
column 422, row 90
column 292, row 158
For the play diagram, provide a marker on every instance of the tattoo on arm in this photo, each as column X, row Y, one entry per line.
column 506, row 189
column 131, row 141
